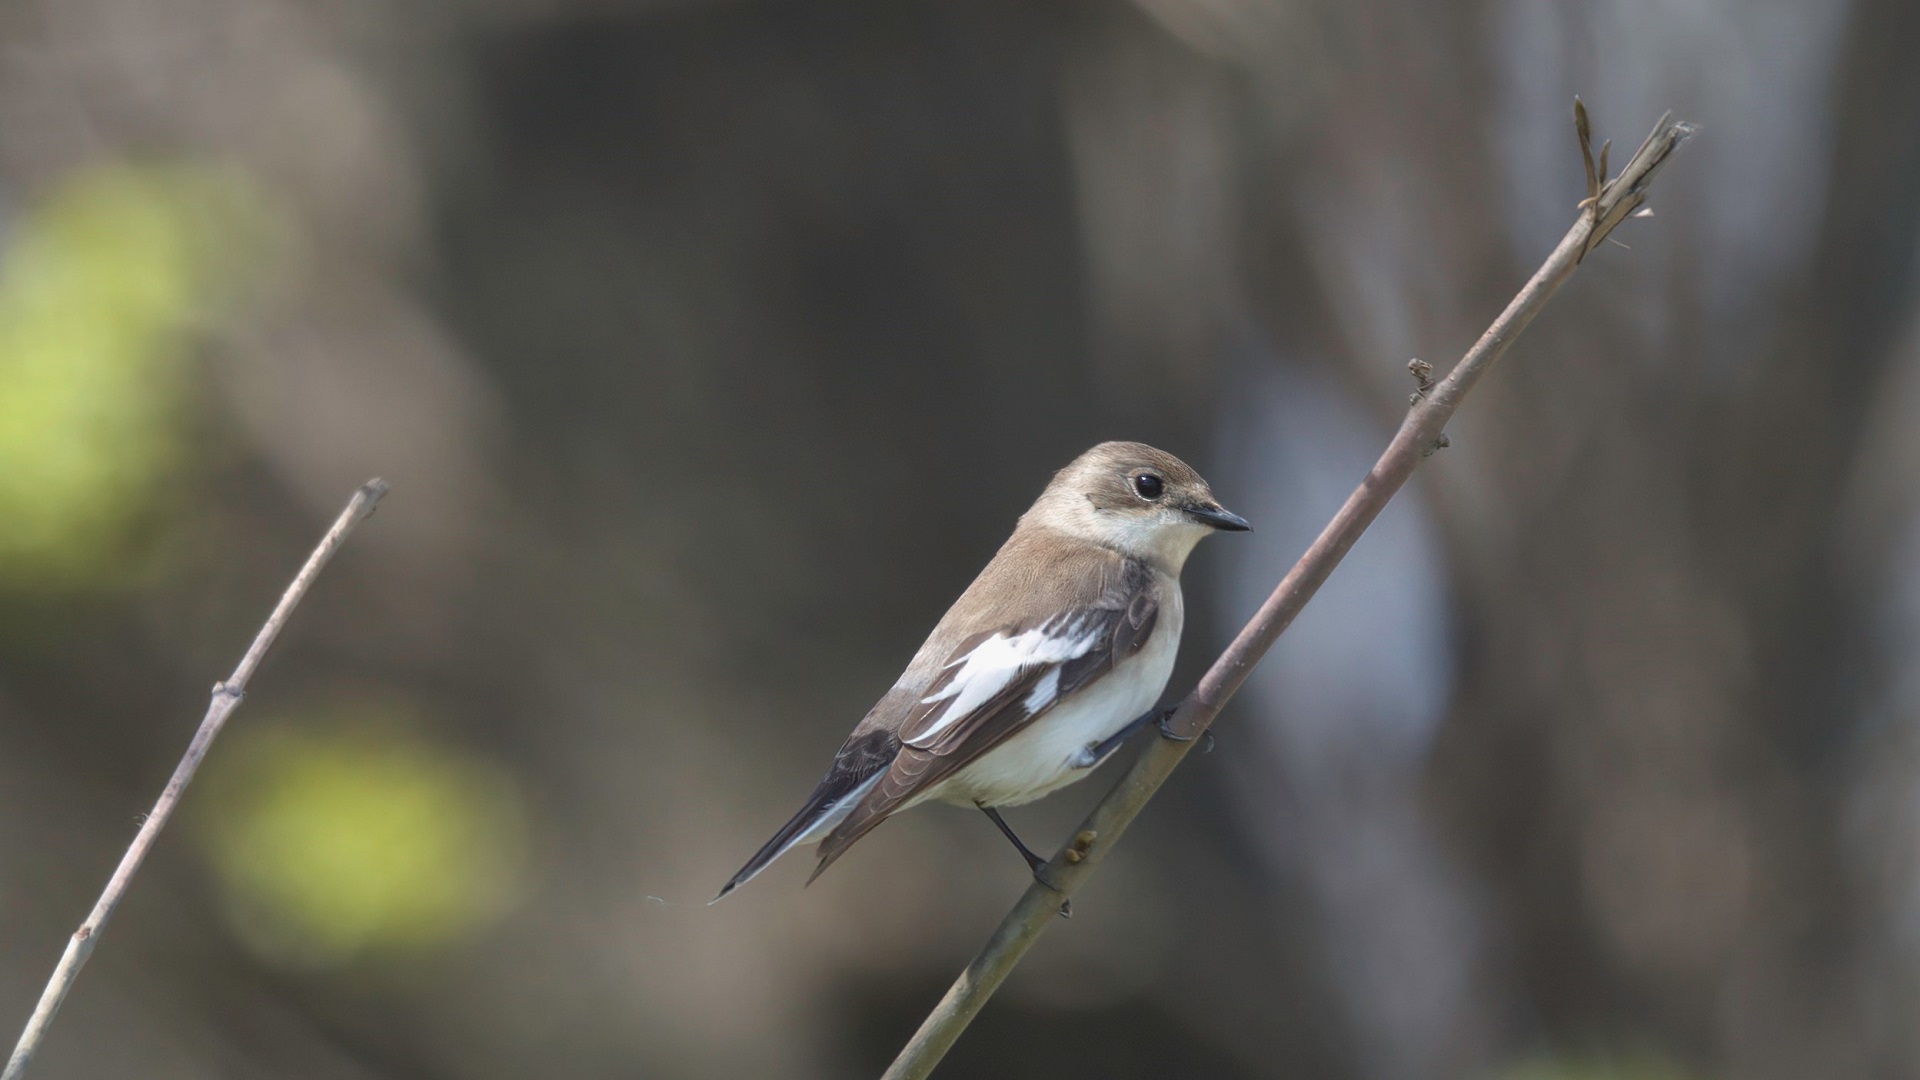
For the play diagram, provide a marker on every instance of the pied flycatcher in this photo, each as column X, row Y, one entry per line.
column 1040, row 670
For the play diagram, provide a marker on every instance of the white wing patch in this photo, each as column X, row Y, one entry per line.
column 996, row 662
column 1044, row 691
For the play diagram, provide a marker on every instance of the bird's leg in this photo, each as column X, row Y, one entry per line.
column 1094, row 753
column 1034, row 862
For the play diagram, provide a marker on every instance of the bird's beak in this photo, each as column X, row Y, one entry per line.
column 1218, row 517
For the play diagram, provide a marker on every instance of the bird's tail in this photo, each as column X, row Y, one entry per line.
column 861, row 816
column 826, row 807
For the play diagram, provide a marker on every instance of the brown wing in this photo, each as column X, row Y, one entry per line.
column 935, row 744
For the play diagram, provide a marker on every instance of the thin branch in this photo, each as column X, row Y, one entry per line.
column 1420, row 433
column 226, row 697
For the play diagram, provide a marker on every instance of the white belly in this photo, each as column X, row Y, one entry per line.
column 1038, row 760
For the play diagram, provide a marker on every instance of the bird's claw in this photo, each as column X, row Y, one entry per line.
column 1166, row 732
column 1040, row 875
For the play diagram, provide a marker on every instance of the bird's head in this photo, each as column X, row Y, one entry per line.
column 1135, row 499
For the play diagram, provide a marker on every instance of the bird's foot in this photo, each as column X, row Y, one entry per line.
column 1034, row 862
column 1168, row 733
column 1040, row 875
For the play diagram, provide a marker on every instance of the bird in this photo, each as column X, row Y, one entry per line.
column 1042, row 668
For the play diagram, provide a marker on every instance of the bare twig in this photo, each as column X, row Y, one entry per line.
column 226, row 697
column 1423, row 429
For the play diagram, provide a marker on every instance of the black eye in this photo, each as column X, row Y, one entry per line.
column 1148, row 485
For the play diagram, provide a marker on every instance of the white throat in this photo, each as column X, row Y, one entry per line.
column 1162, row 537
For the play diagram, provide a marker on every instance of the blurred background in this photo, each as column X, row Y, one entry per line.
column 712, row 347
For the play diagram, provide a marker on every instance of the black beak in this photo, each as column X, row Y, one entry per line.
column 1219, row 517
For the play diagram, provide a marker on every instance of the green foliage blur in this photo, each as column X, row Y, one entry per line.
column 100, row 290
column 344, row 834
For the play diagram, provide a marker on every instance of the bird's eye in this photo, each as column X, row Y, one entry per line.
column 1148, row 485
